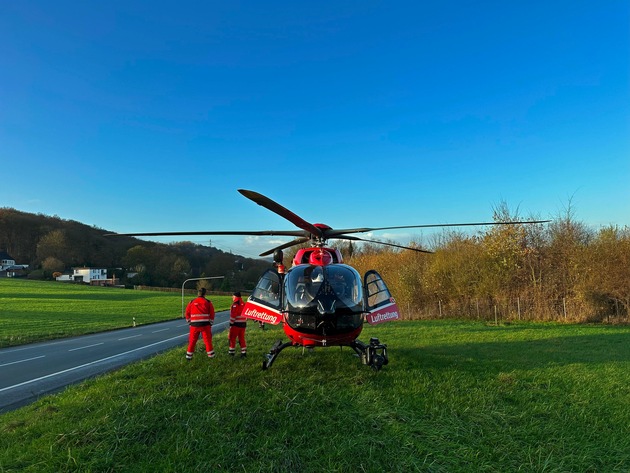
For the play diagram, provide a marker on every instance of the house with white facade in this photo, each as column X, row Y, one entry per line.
column 8, row 267
column 6, row 260
column 93, row 276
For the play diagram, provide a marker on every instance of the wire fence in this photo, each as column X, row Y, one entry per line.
column 564, row 309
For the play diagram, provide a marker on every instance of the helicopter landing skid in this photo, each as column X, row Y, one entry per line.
column 274, row 352
column 373, row 354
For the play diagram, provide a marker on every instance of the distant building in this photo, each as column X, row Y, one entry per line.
column 6, row 260
column 92, row 276
column 8, row 268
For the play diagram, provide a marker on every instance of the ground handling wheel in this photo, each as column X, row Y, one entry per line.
column 373, row 355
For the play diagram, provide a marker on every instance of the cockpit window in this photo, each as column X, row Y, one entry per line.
column 267, row 290
column 377, row 292
column 307, row 285
column 305, row 282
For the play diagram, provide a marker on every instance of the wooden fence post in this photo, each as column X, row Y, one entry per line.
column 564, row 307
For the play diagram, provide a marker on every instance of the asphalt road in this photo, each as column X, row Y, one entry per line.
column 28, row 372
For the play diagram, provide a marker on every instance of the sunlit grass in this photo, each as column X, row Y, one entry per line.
column 34, row 311
column 455, row 397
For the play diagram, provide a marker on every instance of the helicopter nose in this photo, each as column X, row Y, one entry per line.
column 325, row 307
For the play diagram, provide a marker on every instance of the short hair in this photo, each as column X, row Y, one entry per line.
column 201, row 291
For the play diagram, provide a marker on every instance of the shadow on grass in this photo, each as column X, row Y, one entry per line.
column 493, row 349
column 77, row 296
column 519, row 354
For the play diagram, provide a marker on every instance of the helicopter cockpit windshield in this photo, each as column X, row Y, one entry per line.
column 325, row 288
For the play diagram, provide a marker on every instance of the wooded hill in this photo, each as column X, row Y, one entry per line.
column 51, row 244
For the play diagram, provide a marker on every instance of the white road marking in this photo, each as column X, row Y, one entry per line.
column 127, row 338
column 22, row 361
column 163, row 330
column 34, row 346
column 87, row 364
column 87, row 346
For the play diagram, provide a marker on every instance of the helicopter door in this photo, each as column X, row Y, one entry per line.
column 380, row 305
column 264, row 303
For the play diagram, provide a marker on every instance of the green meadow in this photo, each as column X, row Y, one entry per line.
column 455, row 397
column 32, row 311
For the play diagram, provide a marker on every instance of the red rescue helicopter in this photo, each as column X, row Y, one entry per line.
column 320, row 301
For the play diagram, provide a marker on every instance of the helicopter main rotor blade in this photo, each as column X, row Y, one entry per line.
column 335, row 233
column 297, row 241
column 353, row 238
column 259, row 233
column 318, row 233
column 282, row 211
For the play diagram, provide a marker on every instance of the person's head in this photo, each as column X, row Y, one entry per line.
column 201, row 292
column 236, row 295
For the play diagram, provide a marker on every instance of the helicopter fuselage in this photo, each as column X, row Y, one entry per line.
column 321, row 303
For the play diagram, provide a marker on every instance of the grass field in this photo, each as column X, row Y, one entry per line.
column 33, row 311
column 455, row 397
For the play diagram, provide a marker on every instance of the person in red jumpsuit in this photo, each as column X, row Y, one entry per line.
column 238, row 323
column 200, row 316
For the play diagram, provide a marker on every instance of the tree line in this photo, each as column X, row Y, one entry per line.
column 52, row 245
column 559, row 271
column 562, row 270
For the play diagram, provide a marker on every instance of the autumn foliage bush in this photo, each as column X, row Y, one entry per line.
column 560, row 271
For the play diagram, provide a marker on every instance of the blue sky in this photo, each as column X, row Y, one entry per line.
column 148, row 116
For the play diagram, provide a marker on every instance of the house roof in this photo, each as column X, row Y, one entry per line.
column 5, row 255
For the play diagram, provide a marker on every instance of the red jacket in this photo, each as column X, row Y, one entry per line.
column 200, row 312
column 237, row 318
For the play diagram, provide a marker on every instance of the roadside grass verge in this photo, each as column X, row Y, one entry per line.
column 455, row 397
column 32, row 311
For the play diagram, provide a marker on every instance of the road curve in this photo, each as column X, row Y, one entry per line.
column 28, row 372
